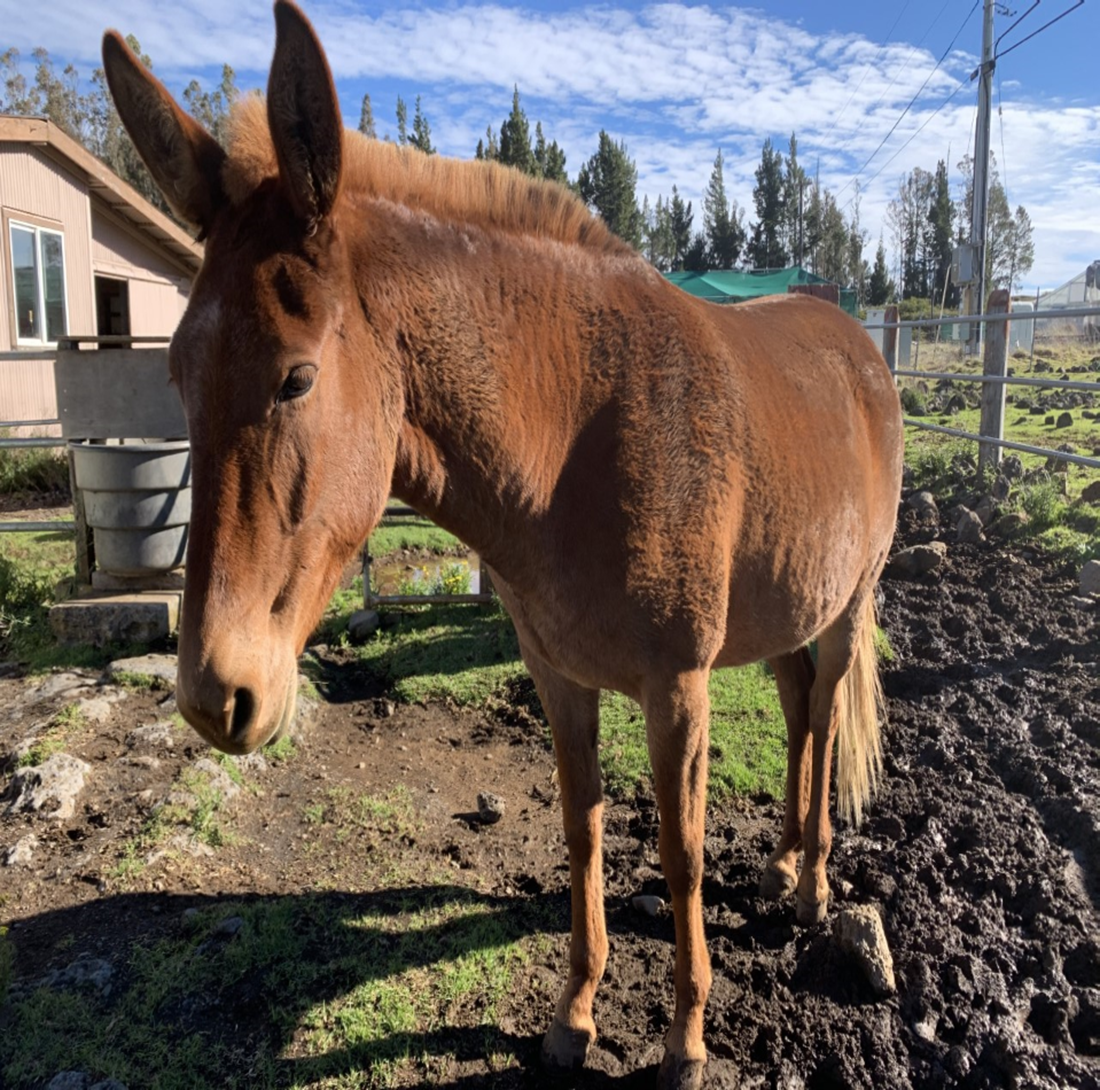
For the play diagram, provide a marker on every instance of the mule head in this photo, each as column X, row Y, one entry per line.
column 291, row 405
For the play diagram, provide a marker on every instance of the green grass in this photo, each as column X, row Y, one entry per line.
column 413, row 534
column 471, row 657
column 336, row 991
column 282, row 749
column 27, row 470
column 748, row 736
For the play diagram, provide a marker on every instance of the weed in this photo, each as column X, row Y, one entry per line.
column 55, row 737
column 282, row 749
column 32, row 469
column 314, row 814
column 136, row 682
column 1043, row 503
column 232, row 770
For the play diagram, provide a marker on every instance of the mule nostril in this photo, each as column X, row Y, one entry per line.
column 244, row 708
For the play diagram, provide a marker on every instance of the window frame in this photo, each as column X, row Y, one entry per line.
column 37, row 229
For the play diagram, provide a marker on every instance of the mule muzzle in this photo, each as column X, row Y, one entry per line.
column 236, row 717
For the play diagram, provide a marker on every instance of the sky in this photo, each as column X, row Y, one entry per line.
column 679, row 81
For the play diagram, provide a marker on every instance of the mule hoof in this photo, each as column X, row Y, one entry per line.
column 676, row 1073
column 565, row 1049
column 776, row 883
column 810, row 912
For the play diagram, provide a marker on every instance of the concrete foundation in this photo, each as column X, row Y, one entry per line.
column 100, row 618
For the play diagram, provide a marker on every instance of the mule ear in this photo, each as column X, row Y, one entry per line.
column 304, row 115
column 184, row 159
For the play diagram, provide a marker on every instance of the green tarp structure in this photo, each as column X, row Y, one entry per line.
column 730, row 286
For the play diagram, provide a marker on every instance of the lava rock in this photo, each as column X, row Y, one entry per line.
column 21, row 852
column 363, row 624
column 969, row 528
column 1090, row 578
column 858, row 931
column 50, row 788
column 490, row 808
column 917, row 560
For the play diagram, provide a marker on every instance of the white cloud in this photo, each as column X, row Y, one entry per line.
column 675, row 81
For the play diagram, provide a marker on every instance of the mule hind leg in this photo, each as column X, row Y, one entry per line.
column 573, row 712
column 794, row 676
column 677, row 732
column 845, row 697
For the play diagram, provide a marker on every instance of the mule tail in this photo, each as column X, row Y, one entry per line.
column 862, row 706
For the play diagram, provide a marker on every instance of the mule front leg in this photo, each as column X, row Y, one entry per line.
column 573, row 712
column 677, row 731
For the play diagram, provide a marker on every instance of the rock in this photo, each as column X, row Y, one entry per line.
column 307, row 709
column 650, row 905
column 1090, row 578
column 969, row 528
column 49, row 788
column 986, row 510
column 1048, row 420
column 70, row 1080
column 163, row 667
column 384, row 708
column 1065, row 420
column 924, row 503
column 1091, row 493
column 917, row 560
column 252, row 763
column 219, row 779
column 21, row 852
column 95, row 709
column 64, row 684
column 85, row 972
column 156, row 736
column 858, row 931
column 126, row 618
column 363, row 624
column 229, row 926
column 1009, row 525
column 490, row 808
column 1002, row 486
column 1060, row 465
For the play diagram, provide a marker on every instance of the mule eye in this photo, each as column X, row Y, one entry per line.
column 298, row 382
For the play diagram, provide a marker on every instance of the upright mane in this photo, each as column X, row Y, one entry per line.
column 487, row 195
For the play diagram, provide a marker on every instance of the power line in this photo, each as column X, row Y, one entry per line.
column 901, row 116
column 962, row 83
column 900, row 71
column 1056, row 19
column 878, row 58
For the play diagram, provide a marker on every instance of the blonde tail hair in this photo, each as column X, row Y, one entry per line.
column 861, row 707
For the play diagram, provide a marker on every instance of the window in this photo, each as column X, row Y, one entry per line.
column 38, row 269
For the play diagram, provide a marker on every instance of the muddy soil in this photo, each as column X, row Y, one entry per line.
column 982, row 852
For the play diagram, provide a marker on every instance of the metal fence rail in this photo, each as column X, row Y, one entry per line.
column 14, row 526
column 995, row 377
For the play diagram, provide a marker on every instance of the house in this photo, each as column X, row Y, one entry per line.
column 81, row 253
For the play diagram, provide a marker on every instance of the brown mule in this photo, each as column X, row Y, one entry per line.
column 660, row 486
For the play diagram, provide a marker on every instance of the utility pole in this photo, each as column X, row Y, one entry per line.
column 979, row 212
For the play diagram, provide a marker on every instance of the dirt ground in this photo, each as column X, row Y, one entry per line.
column 982, row 852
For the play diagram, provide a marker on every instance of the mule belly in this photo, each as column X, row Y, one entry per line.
column 782, row 599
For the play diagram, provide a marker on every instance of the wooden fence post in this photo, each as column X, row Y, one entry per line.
column 995, row 363
column 890, row 339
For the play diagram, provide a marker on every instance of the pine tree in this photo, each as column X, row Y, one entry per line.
column 366, row 119
column 881, row 289
column 766, row 250
column 211, row 109
column 607, row 184
column 549, row 158
column 941, row 216
column 421, row 138
column 488, row 149
column 680, row 220
column 402, row 122
column 794, row 181
column 515, row 139
column 721, row 222
column 695, row 256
